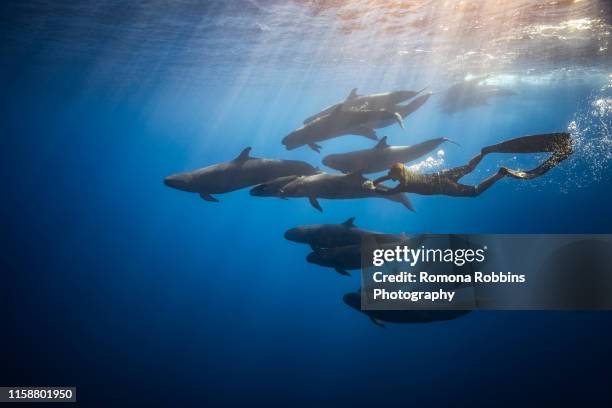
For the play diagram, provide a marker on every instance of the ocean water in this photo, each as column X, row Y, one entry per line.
column 143, row 295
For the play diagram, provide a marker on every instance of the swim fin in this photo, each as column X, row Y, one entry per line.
column 559, row 144
column 543, row 143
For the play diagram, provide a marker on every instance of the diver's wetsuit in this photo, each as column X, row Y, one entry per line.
column 446, row 182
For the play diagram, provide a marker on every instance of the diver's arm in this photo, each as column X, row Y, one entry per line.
column 389, row 191
column 386, row 191
column 381, row 179
column 382, row 190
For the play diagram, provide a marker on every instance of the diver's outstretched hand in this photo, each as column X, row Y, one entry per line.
column 369, row 185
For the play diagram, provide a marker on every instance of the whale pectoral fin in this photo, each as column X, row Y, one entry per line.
column 376, row 322
column 208, row 197
column 317, row 148
column 315, row 203
column 342, row 272
column 399, row 119
column 365, row 132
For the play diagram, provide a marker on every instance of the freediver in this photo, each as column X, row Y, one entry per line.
column 446, row 182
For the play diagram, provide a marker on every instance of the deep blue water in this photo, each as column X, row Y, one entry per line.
column 139, row 294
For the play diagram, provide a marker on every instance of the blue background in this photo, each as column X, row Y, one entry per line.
column 137, row 293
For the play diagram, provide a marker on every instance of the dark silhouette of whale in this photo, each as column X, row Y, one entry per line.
column 342, row 259
column 470, row 93
column 380, row 101
column 336, row 235
column 402, row 110
column 243, row 171
column 337, row 123
column 324, row 185
column 381, row 157
column 348, row 257
column 378, row 317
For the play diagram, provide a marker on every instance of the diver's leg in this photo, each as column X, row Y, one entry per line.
column 456, row 173
column 452, row 188
column 489, row 181
column 458, row 189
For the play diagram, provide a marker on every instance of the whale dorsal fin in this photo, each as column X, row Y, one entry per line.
column 244, row 155
column 351, row 95
column 349, row 223
column 382, row 143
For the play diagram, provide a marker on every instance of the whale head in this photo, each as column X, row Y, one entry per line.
column 353, row 300
column 340, row 162
column 180, row 181
column 272, row 188
column 302, row 235
column 295, row 139
column 316, row 258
